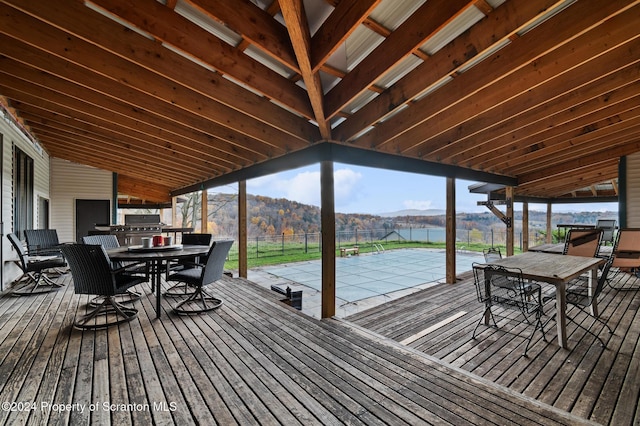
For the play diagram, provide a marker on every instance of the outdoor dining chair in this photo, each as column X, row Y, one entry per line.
column 34, row 279
column 201, row 276
column 608, row 227
column 491, row 289
column 183, row 288
column 92, row 274
column 43, row 242
column 131, row 268
column 492, row 254
column 626, row 252
column 582, row 242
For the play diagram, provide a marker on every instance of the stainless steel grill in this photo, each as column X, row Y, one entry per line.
column 135, row 227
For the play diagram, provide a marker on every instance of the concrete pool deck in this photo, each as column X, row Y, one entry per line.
column 365, row 280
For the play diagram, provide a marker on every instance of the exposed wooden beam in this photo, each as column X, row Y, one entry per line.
column 298, row 27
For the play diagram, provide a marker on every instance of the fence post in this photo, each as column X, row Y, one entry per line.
column 257, row 248
column 283, row 243
column 356, row 236
column 306, row 242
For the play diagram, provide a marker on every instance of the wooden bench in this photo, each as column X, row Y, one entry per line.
column 345, row 251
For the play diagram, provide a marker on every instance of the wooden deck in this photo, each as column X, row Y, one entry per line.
column 587, row 380
column 253, row 361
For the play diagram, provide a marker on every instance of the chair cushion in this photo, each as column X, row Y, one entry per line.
column 188, row 275
column 125, row 281
column 39, row 265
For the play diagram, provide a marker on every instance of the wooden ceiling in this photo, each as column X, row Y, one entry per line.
column 187, row 92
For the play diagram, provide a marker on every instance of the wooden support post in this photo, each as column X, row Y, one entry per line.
column 525, row 226
column 242, row 229
column 328, row 224
column 204, row 212
column 451, row 232
column 510, row 227
column 549, row 230
column 174, row 212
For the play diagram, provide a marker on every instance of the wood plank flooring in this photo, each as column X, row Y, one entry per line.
column 253, row 361
column 592, row 382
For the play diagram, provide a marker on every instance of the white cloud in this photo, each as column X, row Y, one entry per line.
column 304, row 187
column 417, row 204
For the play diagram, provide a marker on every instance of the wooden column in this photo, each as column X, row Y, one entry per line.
column 549, row 230
column 204, row 212
column 510, row 227
column 174, row 213
column 451, row 231
column 242, row 228
column 328, row 224
column 525, row 226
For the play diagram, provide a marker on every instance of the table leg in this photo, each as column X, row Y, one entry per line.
column 593, row 282
column 561, row 314
column 156, row 277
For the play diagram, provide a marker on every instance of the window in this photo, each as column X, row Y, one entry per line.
column 22, row 192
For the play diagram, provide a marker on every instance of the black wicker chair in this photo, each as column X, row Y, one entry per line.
column 92, row 274
column 45, row 242
column 132, row 268
column 34, row 279
column 42, row 242
column 198, row 277
column 500, row 287
column 183, row 288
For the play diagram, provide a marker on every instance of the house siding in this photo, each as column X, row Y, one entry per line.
column 13, row 137
column 71, row 182
column 633, row 191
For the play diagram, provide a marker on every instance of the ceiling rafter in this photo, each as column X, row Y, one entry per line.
column 298, row 27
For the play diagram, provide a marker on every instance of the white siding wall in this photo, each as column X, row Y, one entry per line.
column 71, row 182
column 633, row 191
column 12, row 136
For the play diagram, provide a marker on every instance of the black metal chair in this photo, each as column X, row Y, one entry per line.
column 92, row 274
column 493, row 254
column 183, row 288
column 34, row 279
column 497, row 286
column 201, row 276
column 578, row 296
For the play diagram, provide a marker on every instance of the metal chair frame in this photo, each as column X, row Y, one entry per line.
column 497, row 286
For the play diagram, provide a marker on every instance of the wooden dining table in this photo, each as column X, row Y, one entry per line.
column 156, row 258
column 557, row 270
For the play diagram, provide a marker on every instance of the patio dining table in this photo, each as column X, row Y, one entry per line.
column 557, row 270
column 156, row 257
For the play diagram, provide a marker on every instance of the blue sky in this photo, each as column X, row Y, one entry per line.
column 375, row 191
